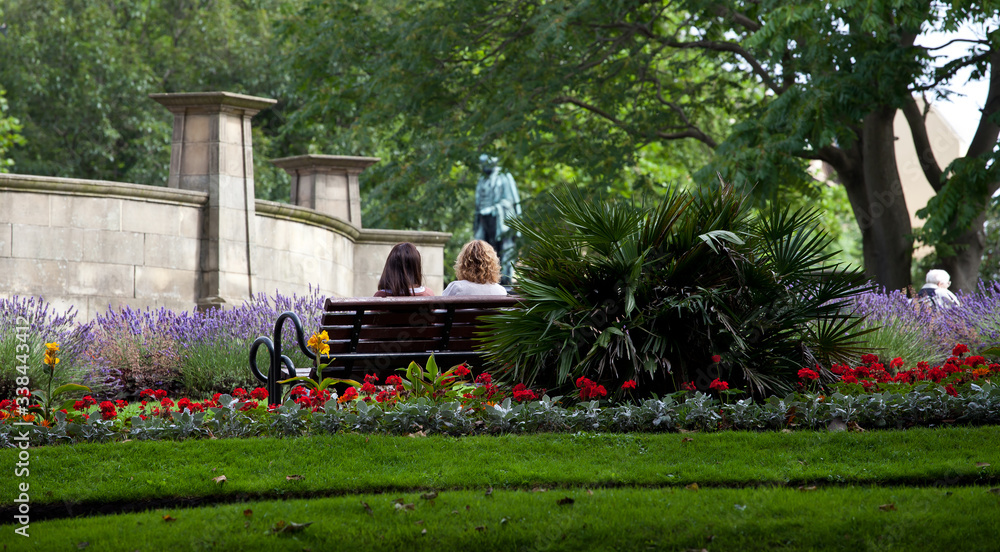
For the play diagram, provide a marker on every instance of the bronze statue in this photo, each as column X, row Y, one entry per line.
column 496, row 200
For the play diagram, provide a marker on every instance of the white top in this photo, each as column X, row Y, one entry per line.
column 943, row 298
column 465, row 287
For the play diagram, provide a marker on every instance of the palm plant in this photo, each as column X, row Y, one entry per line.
column 615, row 290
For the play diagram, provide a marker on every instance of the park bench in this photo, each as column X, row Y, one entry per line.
column 381, row 334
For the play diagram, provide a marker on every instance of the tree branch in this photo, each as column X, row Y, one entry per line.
column 918, row 129
column 985, row 138
column 758, row 69
column 736, row 17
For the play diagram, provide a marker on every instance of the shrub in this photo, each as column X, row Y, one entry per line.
column 44, row 326
column 197, row 352
column 615, row 291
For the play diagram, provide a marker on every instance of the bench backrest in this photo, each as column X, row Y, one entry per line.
column 379, row 333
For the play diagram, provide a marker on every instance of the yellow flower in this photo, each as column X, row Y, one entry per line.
column 51, row 348
column 317, row 343
column 50, row 358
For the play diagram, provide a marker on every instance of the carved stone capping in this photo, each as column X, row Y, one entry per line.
column 212, row 152
column 327, row 183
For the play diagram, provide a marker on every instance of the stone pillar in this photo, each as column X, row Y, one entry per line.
column 327, row 183
column 212, row 152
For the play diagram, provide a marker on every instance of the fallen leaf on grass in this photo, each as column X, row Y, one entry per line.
column 248, row 512
column 692, row 487
column 169, row 518
column 405, row 506
column 489, row 491
column 293, row 477
column 539, row 490
column 417, row 434
column 686, row 439
column 429, row 496
column 565, row 501
column 481, row 528
column 995, row 491
column 419, row 522
column 221, row 479
column 982, row 465
column 367, row 508
column 590, row 492
column 82, row 545
column 809, row 488
column 423, row 532
column 853, row 426
column 289, row 527
column 887, row 507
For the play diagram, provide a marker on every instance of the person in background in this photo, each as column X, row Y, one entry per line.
column 402, row 275
column 936, row 291
column 477, row 270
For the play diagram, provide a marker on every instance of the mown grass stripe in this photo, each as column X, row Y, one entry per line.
column 626, row 519
column 136, row 472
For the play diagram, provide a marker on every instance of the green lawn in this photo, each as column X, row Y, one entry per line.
column 879, row 490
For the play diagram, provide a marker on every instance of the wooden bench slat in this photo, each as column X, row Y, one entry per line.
column 465, row 316
column 396, row 347
column 409, row 304
column 399, row 333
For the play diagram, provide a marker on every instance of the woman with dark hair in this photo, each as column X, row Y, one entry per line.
column 402, row 275
column 477, row 270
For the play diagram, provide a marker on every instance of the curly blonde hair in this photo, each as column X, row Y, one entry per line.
column 478, row 263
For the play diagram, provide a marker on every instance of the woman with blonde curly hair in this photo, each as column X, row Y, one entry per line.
column 477, row 270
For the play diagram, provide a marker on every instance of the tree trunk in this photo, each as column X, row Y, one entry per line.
column 963, row 267
column 876, row 196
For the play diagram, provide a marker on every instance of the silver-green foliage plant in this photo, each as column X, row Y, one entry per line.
column 618, row 290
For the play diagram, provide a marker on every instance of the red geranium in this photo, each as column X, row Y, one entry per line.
column 259, row 393
column 959, row 350
column 629, row 384
column 108, row 411
column 590, row 389
column 349, row 394
column 461, row 370
column 896, row 363
column 689, row 386
column 159, row 394
column 394, row 380
column 806, row 373
column 484, row 378
column 718, row 385
column 716, row 359
column 368, row 388
column 240, row 393
column 521, row 393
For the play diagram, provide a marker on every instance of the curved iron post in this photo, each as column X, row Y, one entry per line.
column 266, row 342
column 276, row 360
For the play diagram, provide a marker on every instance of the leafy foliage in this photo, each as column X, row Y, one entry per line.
column 616, row 290
column 9, row 134
column 78, row 75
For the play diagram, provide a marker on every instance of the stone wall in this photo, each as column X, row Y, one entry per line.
column 202, row 241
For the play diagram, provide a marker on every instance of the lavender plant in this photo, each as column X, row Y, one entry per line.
column 45, row 325
column 915, row 331
column 197, row 352
column 898, row 328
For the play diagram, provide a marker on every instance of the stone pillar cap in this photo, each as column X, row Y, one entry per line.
column 325, row 161
column 205, row 99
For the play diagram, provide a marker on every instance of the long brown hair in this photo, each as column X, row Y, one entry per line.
column 402, row 270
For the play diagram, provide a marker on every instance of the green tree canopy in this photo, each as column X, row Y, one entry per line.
column 78, row 74
column 9, row 134
column 587, row 85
